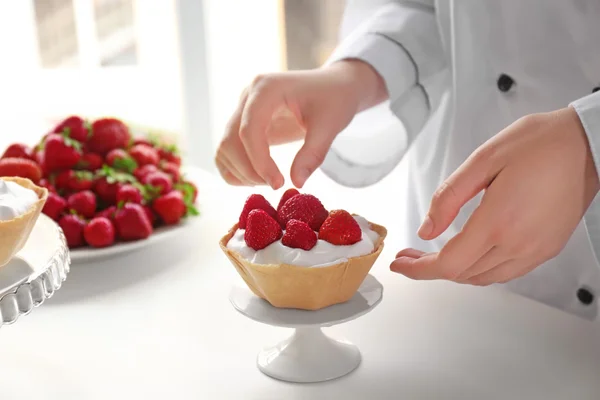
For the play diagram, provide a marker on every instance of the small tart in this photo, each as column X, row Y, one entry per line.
column 15, row 232
column 305, row 288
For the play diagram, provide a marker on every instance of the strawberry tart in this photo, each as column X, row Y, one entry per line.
column 21, row 203
column 301, row 255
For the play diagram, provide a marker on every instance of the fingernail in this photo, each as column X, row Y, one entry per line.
column 276, row 182
column 426, row 227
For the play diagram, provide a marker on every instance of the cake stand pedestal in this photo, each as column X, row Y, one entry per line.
column 308, row 355
column 35, row 273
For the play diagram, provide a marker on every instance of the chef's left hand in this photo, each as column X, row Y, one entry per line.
column 539, row 179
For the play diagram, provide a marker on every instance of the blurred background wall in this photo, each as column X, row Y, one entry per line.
column 175, row 66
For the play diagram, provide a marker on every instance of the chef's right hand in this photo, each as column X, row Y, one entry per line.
column 279, row 108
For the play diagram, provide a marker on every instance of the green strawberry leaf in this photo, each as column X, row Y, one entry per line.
column 170, row 148
column 154, row 139
column 84, row 175
column 191, row 211
column 149, row 192
column 41, row 145
column 187, row 190
column 120, row 204
column 88, row 127
column 66, row 132
column 125, row 164
column 114, row 176
column 71, row 142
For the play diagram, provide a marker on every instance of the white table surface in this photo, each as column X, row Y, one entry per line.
column 157, row 324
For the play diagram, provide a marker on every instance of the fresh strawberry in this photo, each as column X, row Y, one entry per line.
column 169, row 153
column 129, row 194
column 171, row 169
column 141, row 172
column 61, row 152
column 299, row 235
column 46, row 183
column 152, row 217
column 99, row 232
column 90, row 162
column 62, row 179
column 116, row 155
column 142, row 141
column 254, row 202
column 54, row 206
column 144, row 155
column 107, row 213
column 39, row 157
column 108, row 134
column 108, row 183
column 261, row 229
column 81, row 180
column 170, row 207
column 303, row 207
column 20, row 167
column 132, row 223
column 72, row 181
column 18, row 150
column 189, row 192
column 159, row 180
column 340, row 228
column 288, row 194
column 121, row 160
column 75, row 127
column 106, row 191
column 83, row 203
column 73, row 226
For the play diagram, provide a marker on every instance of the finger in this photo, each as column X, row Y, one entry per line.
column 227, row 175
column 490, row 260
column 239, row 159
column 423, row 268
column 232, row 152
column 412, row 253
column 321, row 131
column 502, row 273
column 255, row 119
column 474, row 175
column 230, row 167
column 458, row 255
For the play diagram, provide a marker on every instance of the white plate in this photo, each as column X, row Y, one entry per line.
column 89, row 254
column 35, row 273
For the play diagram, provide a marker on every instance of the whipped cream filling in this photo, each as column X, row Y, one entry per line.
column 15, row 200
column 322, row 255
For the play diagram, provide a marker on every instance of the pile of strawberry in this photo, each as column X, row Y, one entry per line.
column 303, row 218
column 105, row 185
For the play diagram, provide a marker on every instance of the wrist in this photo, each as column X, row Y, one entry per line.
column 579, row 132
column 364, row 82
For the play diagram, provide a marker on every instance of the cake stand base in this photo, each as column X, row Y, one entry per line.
column 308, row 355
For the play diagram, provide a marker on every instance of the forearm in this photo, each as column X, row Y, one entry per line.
column 367, row 85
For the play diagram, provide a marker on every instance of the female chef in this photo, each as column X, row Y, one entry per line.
column 498, row 105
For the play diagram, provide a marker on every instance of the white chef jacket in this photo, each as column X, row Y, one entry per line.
column 458, row 72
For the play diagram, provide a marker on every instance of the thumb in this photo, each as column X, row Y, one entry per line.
column 473, row 176
column 319, row 136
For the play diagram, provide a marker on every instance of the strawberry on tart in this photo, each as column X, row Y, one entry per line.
column 300, row 255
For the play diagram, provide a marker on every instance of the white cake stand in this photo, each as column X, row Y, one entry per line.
column 35, row 273
column 308, row 355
